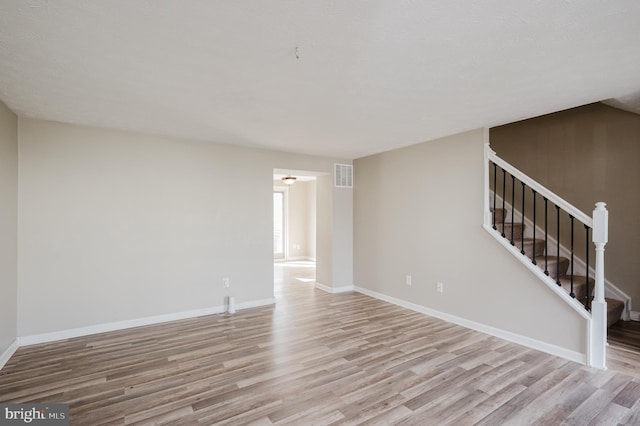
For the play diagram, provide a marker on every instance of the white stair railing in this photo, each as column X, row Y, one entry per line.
column 598, row 223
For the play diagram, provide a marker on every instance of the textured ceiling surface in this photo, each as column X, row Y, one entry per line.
column 330, row 77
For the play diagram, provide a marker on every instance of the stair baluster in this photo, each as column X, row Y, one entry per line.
column 533, row 191
column 558, row 247
column 504, row 191
column 513, row 197
column 495, row 180
column 546, row 238
column 522, row 229
column 587, row 302
column 571, row 293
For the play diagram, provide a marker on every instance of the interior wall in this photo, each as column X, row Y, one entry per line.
column 311, row 221
column 117, row 225
column 8, row 227
column 418, row 212
column 280, row 187
column 301, row 214
column 342, row 236
column 324, row 230
column 585, row 155
column 298, row 219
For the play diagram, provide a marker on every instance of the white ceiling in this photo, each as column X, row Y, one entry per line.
column 344, row 78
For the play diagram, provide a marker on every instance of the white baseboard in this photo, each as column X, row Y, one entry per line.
column 322, row 287
column 295, row 259
column 343, row 289
column 256, row 303
column 634, row 316
column 503, row 334
column 8, row 353
column 121, row 325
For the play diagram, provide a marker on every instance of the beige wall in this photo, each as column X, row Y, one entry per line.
column 334, row 234
column 299, row 218
column 311, row 221
column 585, row 155
column 301, row 214
column 117, row 226
column 418, row 211
column 324, row 230
column 8, row 226
column 280, row 187
column 342, row 236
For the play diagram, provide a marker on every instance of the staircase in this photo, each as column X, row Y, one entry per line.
column 556, row 266
column 570, row 258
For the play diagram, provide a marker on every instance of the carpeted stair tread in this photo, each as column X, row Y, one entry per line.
column 554, row 272
column 528, row 247
column 614, row 306
column 614, row 311
column 579, row 286
column 515, row 228
column 499, row 214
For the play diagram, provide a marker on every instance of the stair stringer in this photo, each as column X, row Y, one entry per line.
column 610, row 289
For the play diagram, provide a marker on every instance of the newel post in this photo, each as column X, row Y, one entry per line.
column 487, row 192
column 598, row 339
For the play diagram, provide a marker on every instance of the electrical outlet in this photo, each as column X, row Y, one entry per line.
column 226, row 282
column 407, row 279
column 440, row 287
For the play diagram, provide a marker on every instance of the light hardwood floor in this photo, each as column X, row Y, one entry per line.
column 317, row 358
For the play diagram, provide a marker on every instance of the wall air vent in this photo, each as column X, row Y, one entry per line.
column 343, row 175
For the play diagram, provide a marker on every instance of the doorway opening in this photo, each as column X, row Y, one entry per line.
column 294, row 216
column 294, row 227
